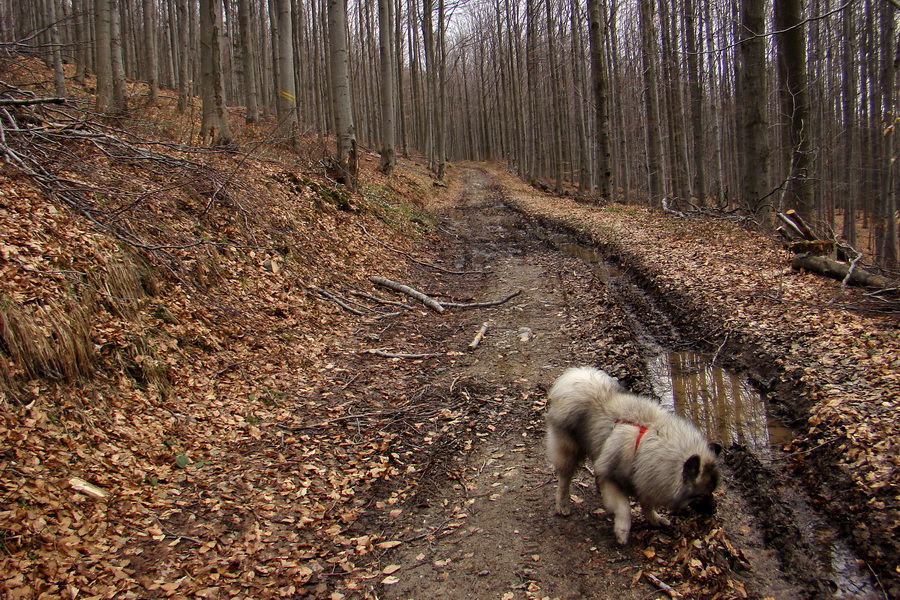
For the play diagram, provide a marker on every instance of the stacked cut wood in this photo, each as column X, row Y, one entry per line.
column 819, row 256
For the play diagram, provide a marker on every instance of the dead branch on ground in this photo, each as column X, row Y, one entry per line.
column 481, row 304
column 385, row 354
column 405, row 289
column 480, row 335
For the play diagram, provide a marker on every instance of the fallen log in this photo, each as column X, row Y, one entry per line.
column 838, row 270
column 405, row 289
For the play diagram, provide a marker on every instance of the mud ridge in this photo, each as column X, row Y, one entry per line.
column 817, row 470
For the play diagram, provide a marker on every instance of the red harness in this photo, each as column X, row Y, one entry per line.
column 642, row 429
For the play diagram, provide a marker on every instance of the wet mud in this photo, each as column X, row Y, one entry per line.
column 480, row 523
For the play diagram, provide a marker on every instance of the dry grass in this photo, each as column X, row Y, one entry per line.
column 50, row 341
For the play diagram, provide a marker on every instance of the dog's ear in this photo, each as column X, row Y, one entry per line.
column 691, row 468
column 715, row 448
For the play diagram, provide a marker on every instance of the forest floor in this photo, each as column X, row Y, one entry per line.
column 168, row 338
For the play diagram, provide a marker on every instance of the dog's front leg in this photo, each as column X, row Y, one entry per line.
column 617, row 504
column 653, row 517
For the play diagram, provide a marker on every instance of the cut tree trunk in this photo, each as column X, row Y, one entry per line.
column 837, row 270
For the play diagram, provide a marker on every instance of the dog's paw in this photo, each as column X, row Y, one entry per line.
column 655, row 519
column 563, row 511
column 622, row 536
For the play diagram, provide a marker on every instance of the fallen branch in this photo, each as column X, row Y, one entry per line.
column 359, row 294
column 88, row 489
column 481, row 304
column 480, row 335
column 386, row 354
column 342, row 302
column 662, row 585
column 405, row 289
column 28, row 101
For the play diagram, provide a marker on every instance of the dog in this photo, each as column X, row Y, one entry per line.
column 636, row 447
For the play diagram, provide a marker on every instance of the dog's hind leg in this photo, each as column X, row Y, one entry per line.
column 616, row 503
column 565, row 457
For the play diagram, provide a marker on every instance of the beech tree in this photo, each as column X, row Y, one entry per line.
column 751, row 96
column 340, row 90
column 214, row 129
column 386, row 54
column 749, row 105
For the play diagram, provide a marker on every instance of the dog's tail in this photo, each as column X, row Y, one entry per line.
column 585, row 383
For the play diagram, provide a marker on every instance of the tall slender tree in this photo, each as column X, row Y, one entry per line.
column 651, row 104
column 597, row 34
column 248, row 60
column 793, row 93
column 214, row 128
column 340, row 92
column 754, row 155
column 386, row 55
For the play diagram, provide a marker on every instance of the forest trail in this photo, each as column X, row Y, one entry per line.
column 488, row 530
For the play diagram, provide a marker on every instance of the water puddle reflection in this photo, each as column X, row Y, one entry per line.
column 724, row 405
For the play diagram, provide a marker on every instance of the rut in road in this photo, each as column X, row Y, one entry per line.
column 489, row 530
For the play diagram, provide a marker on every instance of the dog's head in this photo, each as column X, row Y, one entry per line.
column 700, row 478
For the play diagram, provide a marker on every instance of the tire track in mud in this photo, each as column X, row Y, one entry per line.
column 489, row 532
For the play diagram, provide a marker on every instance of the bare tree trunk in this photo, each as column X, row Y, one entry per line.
column 695, row 90
column 214, row 129
column 440, row 116
column 81, row 39
column 556, row 84
column 287, row 87
column 754, row 156
column 185, row 64
column 386, row 53
column 791, row 45
column 597, row 35
column 886, row 228
column 848, row 112
column 120, row 102
column 585, row 173
column 651, row 105
column 151, row 54
column 340, row 75
column 249, row 58
column 103, row 15
column 59, row 78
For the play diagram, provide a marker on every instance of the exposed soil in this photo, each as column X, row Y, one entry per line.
column 482, row 524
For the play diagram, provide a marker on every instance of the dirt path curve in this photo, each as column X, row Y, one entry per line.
column 489, row 531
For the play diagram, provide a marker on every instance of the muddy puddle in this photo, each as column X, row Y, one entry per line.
column 722, row 403
column 729, row 409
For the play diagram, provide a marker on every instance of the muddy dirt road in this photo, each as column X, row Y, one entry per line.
column 480, row 524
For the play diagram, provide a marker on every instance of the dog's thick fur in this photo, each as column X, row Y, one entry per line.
column 637, row 448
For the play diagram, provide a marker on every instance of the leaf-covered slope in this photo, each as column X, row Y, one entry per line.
column 155, row 309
